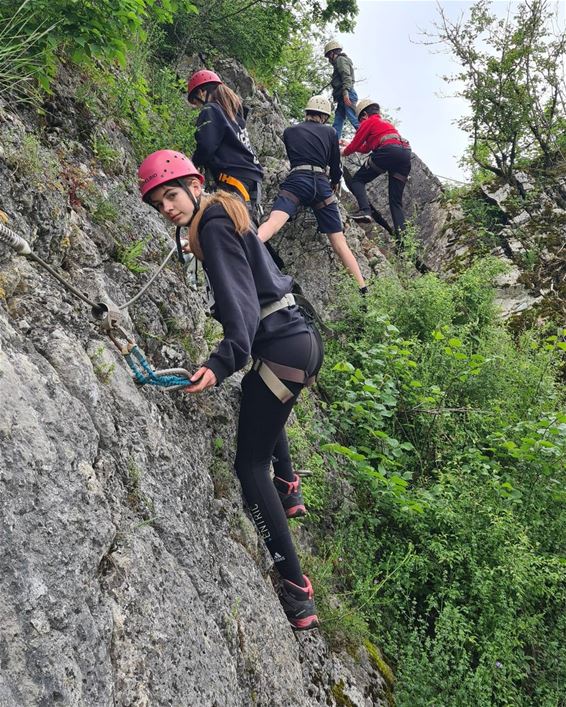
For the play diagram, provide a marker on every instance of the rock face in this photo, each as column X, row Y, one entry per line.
column 130, row 573
column 422, row 203
column 529, row 235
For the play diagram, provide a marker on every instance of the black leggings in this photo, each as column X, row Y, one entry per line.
column 394, row 160
column 260, row 426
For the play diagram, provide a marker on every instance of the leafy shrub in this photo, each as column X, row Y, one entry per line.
column 87, row 30
column 147, row 101
column 450, row 545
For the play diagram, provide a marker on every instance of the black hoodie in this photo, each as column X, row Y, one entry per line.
column 244, row 279
column 224, row 146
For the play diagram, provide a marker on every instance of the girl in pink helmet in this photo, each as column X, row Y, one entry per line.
column 254, row 305
column 223, row 143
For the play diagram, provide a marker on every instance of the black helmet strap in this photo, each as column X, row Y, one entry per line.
column 196, row 204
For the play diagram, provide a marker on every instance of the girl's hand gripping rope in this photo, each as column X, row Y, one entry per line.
column 166, row 379
column 205, row 378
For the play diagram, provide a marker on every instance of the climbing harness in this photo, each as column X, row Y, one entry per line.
column 393, row 136
column 308, row 168
column 109, row 321
column 251, row 196
column 325, row 202
column 370, row 164
column 273, row 374
column 287, row 300
column 236, row 183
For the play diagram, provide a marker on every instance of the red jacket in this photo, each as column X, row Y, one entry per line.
column 369, row 134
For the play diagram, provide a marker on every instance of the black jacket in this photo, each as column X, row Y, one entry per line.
column 244, row 279
column 224, row 146
column 314, row 143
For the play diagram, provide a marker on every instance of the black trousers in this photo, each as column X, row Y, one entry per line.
column 395, row 160
column 261, row 424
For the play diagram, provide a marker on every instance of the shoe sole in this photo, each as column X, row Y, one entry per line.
column 305, row 624
column 361, row 219
column 296, row 512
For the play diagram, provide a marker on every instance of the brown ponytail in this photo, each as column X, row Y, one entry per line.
column 234, row 207
column 229, row 101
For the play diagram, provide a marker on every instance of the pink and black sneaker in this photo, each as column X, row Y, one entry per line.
column 298, row 604
column 291, row 496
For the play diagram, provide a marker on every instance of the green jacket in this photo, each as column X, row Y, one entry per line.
column 343, row 76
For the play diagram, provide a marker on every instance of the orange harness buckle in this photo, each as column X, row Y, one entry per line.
column 236, row 183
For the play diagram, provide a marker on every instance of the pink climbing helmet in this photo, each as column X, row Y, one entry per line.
column 200, row 78
column 161, row 167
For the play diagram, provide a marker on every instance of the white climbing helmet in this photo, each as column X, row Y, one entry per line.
column 320, row 104
column 363, row 104
column 331, row 46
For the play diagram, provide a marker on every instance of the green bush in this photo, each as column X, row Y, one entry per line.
column 146, row 100
column 130, row 256
column 451, row 544
column 91, row 29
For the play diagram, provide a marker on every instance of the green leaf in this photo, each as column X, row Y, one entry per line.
column 343, row 367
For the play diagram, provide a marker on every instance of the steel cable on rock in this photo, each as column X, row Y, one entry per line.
column 22, row 247
column 168, row 379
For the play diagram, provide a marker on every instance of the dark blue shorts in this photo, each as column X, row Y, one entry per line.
column 310, row 188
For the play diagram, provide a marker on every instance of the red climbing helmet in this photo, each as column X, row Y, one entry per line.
column 161, row 167
column 200, row 78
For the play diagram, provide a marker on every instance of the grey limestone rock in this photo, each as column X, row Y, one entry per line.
column 129, row 571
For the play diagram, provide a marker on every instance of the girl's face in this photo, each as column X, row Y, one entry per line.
column 174, row 203
column 198, row 98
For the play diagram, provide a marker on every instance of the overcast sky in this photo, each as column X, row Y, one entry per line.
column 405, row 76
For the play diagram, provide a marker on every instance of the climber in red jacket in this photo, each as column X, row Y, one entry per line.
column 389, row 153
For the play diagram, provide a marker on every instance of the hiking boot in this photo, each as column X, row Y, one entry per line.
column 361, row 216
column 291, row 496
column 298, row 604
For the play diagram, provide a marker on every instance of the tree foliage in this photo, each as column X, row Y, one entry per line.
column 512, row 71
column 272, row 38
column 86, row 30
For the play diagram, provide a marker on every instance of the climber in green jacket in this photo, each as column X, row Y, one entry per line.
column 342, row 83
